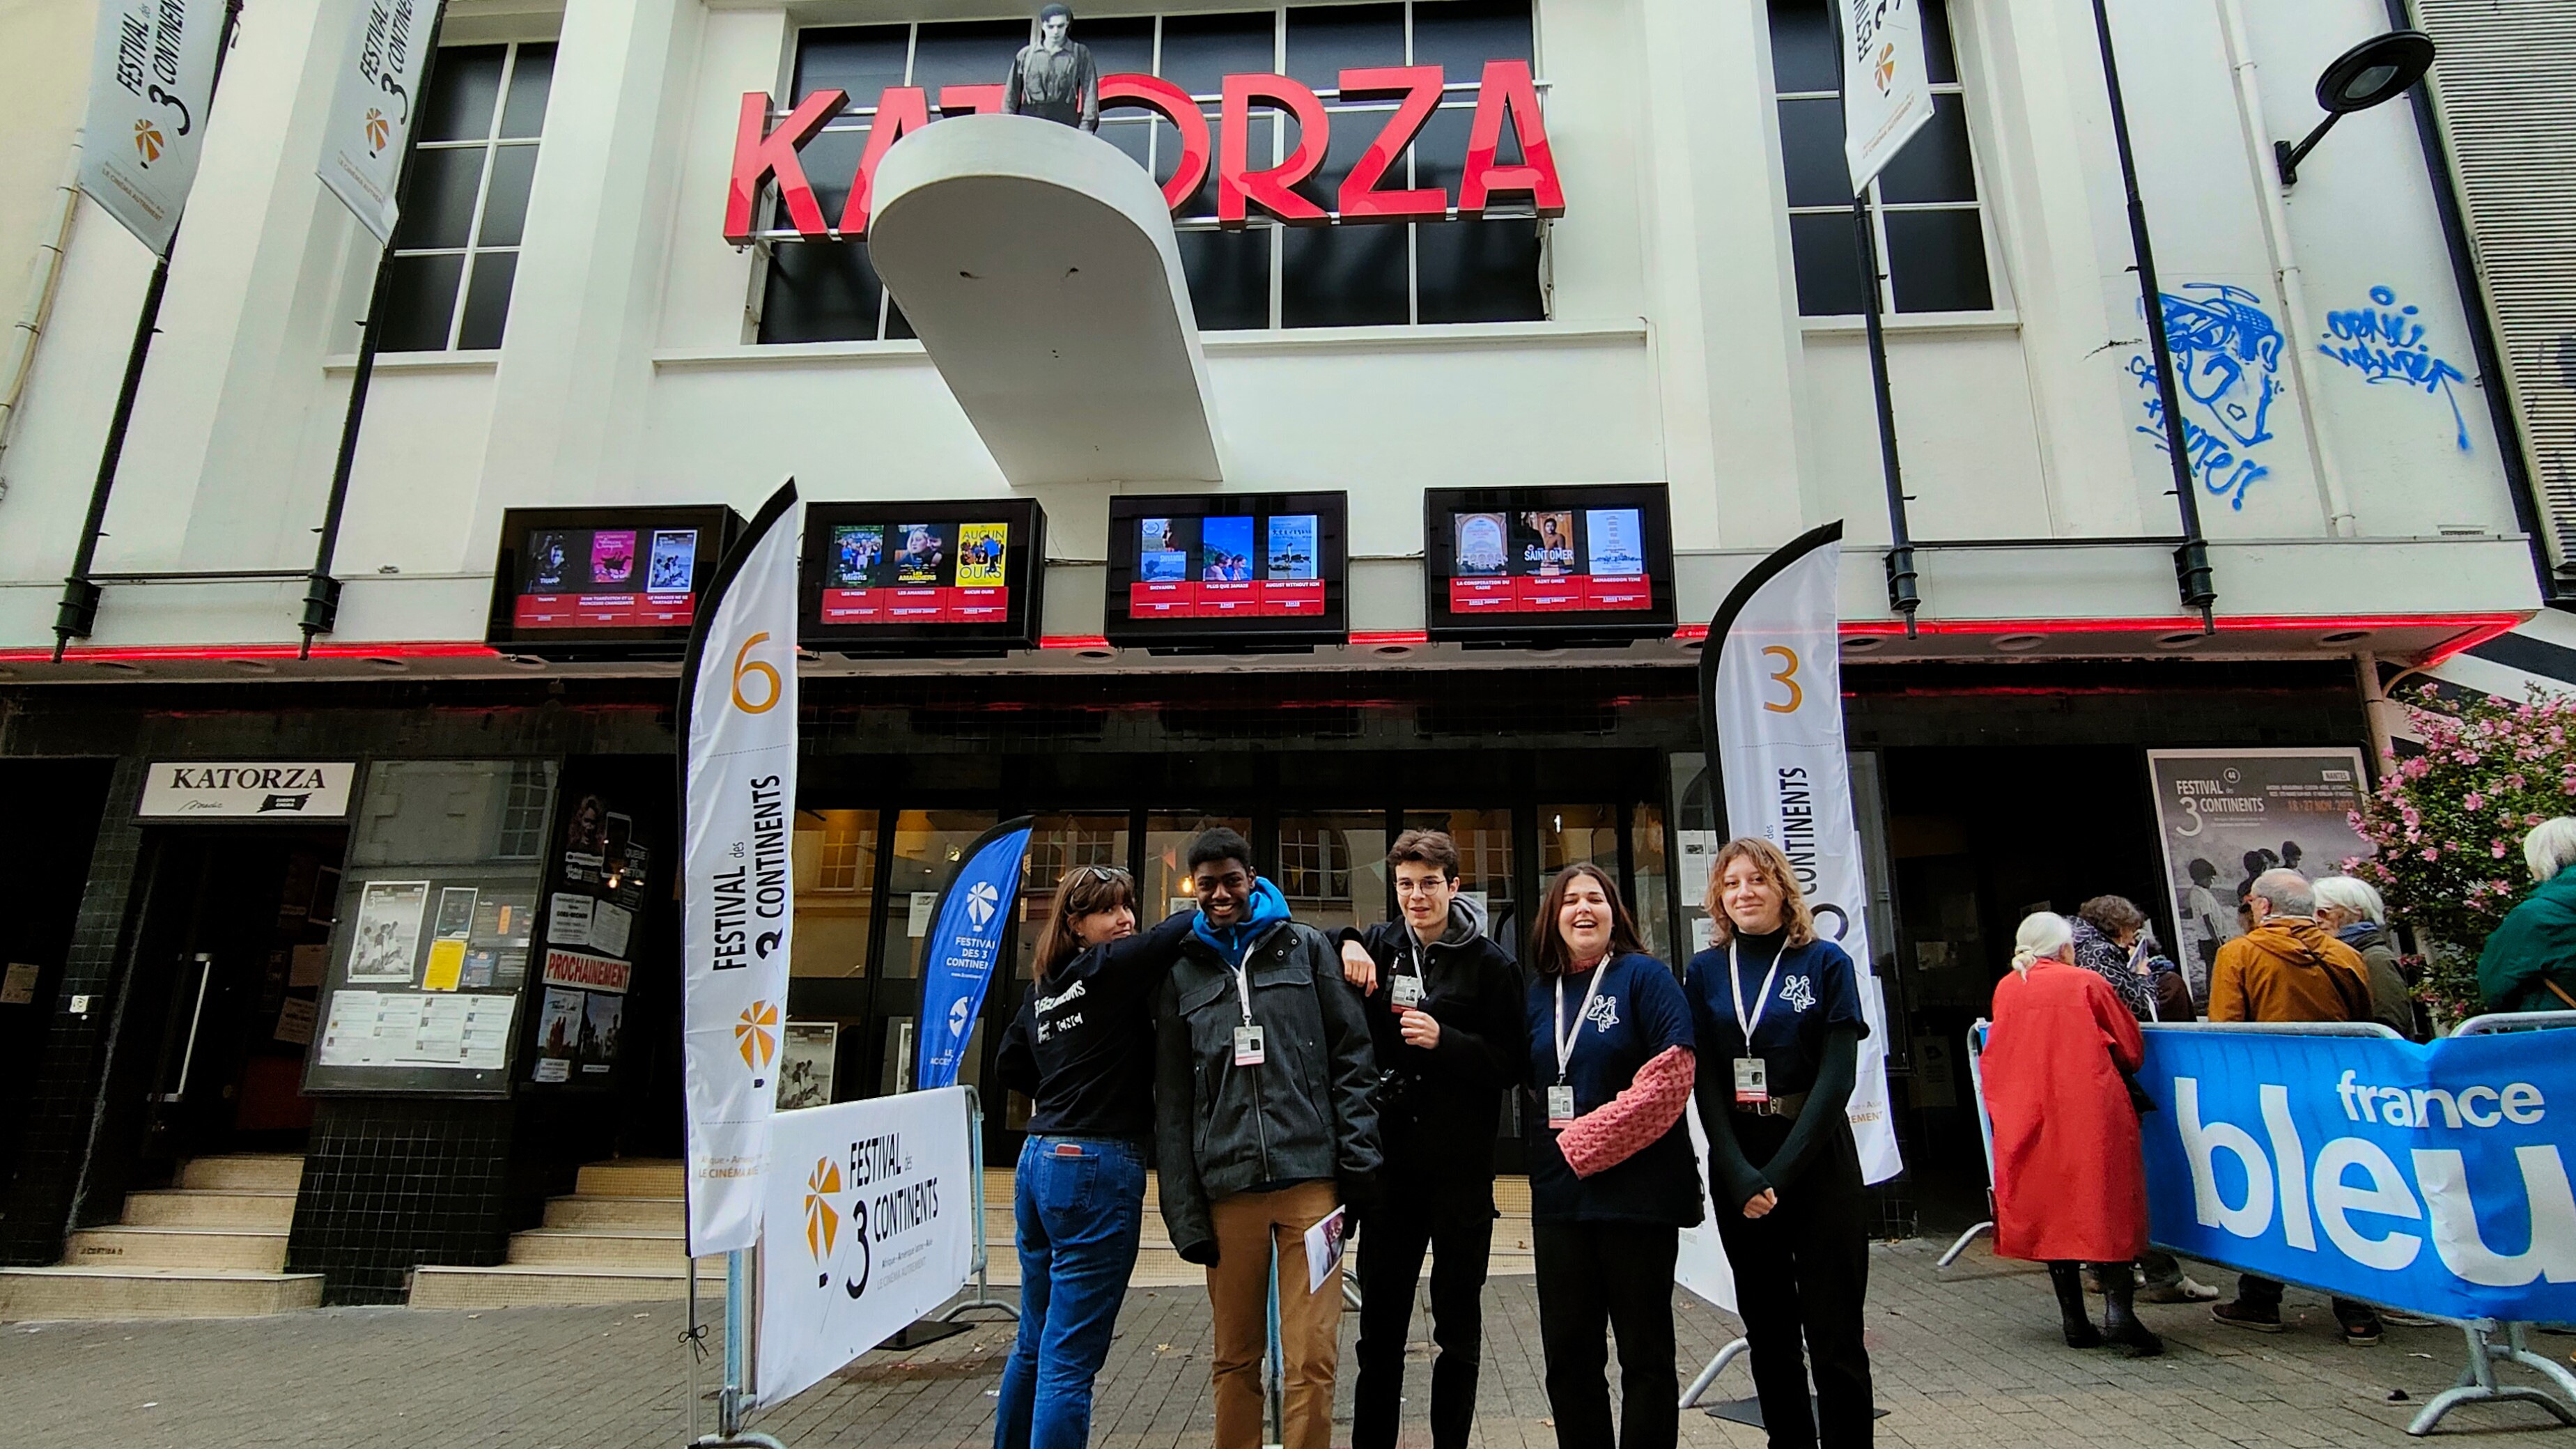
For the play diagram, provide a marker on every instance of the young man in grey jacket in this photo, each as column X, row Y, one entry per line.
column 1264, row 1127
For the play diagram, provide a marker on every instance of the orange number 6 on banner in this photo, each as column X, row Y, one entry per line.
column 1788, row 675
column 762, row 667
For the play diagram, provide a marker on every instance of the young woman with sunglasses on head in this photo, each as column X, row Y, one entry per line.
column 1612, row 1177
column 1082, row 1047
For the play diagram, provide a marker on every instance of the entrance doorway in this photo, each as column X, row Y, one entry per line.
column 231, row 946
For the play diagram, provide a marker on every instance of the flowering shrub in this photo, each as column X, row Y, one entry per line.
column 2449, row 825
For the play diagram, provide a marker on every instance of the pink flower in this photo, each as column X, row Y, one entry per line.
column 2432, row 853
column 2498, row 850
column 2475, row 801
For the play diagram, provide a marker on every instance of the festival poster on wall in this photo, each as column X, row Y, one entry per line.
column 559, row 1026
column 2226, row 816
column 805, row 1071
column 599, row 1023
column 385, row 947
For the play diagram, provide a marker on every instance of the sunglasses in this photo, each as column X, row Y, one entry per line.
column 1102, row 873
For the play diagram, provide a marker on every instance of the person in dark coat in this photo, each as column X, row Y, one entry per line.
column 1445, row 1016
column 2529, row 963
column 2354, row 912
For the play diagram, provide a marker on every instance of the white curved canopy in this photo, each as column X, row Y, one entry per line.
column 1038, row 265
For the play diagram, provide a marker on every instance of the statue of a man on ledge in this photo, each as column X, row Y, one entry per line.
column 1054, row 79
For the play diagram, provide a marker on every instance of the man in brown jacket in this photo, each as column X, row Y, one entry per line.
column 2288, row 968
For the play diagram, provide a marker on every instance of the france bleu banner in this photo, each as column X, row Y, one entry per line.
column 2427, row 1178
column 965, row 941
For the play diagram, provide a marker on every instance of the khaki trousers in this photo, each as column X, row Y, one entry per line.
column 1248, row 1226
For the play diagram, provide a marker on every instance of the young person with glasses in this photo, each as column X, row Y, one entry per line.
column 1263, row 1127
column 1445, row 1015
column 1081, row 1047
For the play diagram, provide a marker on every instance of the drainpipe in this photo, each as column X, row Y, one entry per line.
column 2340, row 519
column 42, row 274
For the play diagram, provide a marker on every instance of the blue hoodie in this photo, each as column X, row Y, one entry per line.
column 1231, row 943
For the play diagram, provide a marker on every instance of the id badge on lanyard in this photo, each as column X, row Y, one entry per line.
column 1560, row 1098
column 1407, row 991
column 1247, row 1037
column 1752, row 1073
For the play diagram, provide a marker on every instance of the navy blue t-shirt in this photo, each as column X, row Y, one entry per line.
column 1638, row 1014
column 1815, row 992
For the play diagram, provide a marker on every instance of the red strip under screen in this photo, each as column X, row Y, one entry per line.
column 950, row 604
column 1226, row 599
column 1550, row 594
column 605, row 611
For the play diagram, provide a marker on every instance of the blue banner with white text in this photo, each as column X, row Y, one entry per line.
column 2431, row 1179
column 965, row 942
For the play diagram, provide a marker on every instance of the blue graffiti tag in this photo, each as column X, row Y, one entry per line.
column 2227, row 353
column 2389, row 346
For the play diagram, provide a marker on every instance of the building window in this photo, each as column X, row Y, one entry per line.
column 1930, row 229
column 1263, row 276
column 465, row 202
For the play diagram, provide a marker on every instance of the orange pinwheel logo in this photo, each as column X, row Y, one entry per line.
column 1886, row 69
column 755, row 1034
column 822, row 1221
column 379, row 129
column 148, row 141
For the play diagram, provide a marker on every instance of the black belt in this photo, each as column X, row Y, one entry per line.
column 1785, row 1105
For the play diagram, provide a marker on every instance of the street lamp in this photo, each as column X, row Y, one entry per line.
column 2379, row 69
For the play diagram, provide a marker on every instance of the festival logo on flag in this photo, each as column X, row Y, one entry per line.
column 756, row 1033
column 822, row 1220
column 965, row 942
column 1887, row 94
column 152, row 81
column 371, row 107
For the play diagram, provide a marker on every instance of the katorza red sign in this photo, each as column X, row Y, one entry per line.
column 1507, row 94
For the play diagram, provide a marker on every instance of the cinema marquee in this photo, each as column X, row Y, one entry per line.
column 1507, row 94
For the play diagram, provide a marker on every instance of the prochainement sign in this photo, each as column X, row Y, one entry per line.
column 247, row 790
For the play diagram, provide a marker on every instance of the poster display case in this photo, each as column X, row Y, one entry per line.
column 964, row 576
column 1548, row 565
column 1223, row 572
column 588, row 583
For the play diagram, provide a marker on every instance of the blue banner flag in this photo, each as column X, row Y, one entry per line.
column 2431, row 1179
column 965, row 941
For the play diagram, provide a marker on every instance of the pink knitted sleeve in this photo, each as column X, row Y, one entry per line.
column 1622, row 1127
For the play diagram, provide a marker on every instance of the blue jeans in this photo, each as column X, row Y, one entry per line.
column 1080, row 1205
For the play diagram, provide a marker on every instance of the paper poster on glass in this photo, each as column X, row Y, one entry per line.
column 1159, row 555
column 921, row 551
column 559, row 1025
column 675, row 560
column 1614, row 541
column 2227, row 816
column 384, row 946
column 1225, row 549
column 1481, row 546
column 805, row 1069
column 1291, row 547
column 599, row 1032
column 980, row 547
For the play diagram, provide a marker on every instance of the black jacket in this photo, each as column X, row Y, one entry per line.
column 1082, row 1043
column 1303, row 1115
column 1438, row 1109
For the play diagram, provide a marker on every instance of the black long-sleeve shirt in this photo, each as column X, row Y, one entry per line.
column 1082, row 1043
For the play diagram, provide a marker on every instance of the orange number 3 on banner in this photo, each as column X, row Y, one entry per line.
column 763, row 667
column 1787, row 674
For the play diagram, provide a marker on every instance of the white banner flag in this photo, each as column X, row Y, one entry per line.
column 738, row 722
column 152, row 80
column 1887, row 96
column 372, row 107
column 867, row 1224
column 1777, row 700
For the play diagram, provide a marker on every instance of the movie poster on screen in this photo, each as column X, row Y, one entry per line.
column 2226, row 816
column 384, row 945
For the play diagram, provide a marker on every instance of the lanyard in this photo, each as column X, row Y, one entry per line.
column 1761, row 999
column 1243, row 985
column 1565, row 1043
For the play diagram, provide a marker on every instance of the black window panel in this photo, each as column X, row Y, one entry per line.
column 487, row 300
column 505, row 201
column 1811, row 152
column 1133, row 135
column 1937, row 262
column 1934, row 166
column 1257, row 149
column 462, row 93
column 1804, row 53
column 1459, row 36
column 1325, row 40
column 1343, row 276
column 1827, row 256
column 1229, row 274
column 820, row 292
column 860, row 59
column 1940, row 55
column 438, row 198
column 420, row 301
column 898, row 328
column 966, row 53
column 1440, row 154
column 1200, row 51
column 831, row 162
column 1478, row 271
column 530, row 80
column 1118, row 47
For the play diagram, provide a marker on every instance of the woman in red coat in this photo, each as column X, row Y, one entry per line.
column 2070, row 1188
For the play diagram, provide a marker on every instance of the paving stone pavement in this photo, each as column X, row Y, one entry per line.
column 1964, row 1356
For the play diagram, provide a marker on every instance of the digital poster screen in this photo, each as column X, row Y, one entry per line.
column 1575, row 560
column 1213, row 569
column 604, row 577
column 896, row 577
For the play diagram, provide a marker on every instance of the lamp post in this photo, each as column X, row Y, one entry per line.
column 2379, row 69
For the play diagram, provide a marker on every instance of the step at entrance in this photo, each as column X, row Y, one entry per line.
column 619, row 1238
column 212, row 1247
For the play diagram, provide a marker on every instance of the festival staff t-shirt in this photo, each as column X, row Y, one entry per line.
column 1814, row 993
column 1638, row 1013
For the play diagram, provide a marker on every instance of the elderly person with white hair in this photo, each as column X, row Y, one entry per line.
column 2070, row 1187
column 2530, row 962
column 2353, row 910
